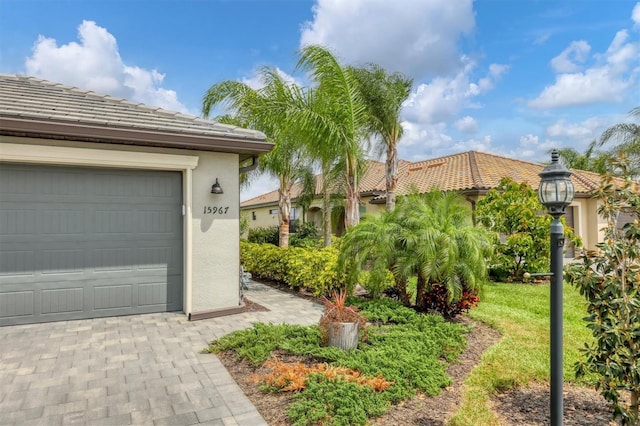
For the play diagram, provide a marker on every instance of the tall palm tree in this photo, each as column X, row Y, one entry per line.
column 335, row 121
column 384, row 94
column 265, row 109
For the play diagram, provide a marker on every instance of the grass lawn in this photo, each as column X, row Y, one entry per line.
column 521, row 313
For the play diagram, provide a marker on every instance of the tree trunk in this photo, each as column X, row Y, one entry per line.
column 420, row 288
column 352, row 207
column 284, row 210
column 401, row 285
column 391, row 175
column 326, row 215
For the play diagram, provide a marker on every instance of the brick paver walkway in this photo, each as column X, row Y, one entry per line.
column 132, row 370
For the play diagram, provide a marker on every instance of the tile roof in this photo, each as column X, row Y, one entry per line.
column 24, row 98
column 466, row 171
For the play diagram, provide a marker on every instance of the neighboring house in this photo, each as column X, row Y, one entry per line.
column 106, row 206
column 471, row 173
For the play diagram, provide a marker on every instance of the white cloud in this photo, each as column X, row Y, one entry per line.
column 571, row 58
column 607, row 81
column 416, row 37
column 255, row 79
column 635, row 15
column 466, row 124
column 441, row 99
column 95, row 64
column 584, row 132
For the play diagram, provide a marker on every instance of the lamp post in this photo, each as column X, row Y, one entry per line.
column 556, row 193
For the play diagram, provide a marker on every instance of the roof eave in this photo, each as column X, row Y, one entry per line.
column 78, row 131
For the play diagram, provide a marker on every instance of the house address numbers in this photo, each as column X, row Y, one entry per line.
column 216, row 210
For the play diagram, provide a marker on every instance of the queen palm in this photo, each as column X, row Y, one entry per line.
column 265, row 109
column 384, row 94
column 334, row 122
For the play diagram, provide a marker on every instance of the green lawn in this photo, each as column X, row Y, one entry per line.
column 521, row 313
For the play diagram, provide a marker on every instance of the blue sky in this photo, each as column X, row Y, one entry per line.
column 515, row 78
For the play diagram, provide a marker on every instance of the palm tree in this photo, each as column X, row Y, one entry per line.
column 265, row 109
column 334, row 121
column 591, row 160
column 627, row 136
column 384, row 94
column 428, row 236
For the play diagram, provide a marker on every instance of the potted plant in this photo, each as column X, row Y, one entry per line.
column 340, row 325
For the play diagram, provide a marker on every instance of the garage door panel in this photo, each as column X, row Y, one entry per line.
column 88, row 243
column 16, row 304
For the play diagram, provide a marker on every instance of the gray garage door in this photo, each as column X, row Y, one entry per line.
column 88, row 242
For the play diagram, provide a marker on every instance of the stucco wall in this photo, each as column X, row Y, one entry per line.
column 216, row 249
column 263, row 217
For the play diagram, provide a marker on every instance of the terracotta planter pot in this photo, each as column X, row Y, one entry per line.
column 344, row 335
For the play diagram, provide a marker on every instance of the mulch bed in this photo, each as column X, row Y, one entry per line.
column 520, row 406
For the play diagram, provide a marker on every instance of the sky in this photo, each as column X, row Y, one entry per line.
column 511, row 77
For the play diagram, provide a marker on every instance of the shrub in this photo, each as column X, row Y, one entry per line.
column 520, row 233
column 438, row 300
column 312, row 269
column 270, row 235
column 609, row 279
column 306, row 235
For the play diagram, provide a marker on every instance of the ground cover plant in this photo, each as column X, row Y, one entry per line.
column 520, row 312
column 405, row 353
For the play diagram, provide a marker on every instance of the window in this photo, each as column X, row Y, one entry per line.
column 273, row 211
column 253, row 215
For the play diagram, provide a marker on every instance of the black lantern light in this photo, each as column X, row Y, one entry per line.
column 216, row 188
column 556, row 190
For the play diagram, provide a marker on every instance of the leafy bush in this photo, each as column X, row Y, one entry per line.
column 270, row 235
column 438, row 300
column 520, row 233
column 306, row 235
column 312, row 269
column 610, row 281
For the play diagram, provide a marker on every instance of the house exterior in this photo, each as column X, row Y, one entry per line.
column 470, row 173
column 106, row 206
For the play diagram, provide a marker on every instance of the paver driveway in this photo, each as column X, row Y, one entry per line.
column 144, row 369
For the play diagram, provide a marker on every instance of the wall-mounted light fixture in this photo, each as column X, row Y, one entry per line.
column 216, row 188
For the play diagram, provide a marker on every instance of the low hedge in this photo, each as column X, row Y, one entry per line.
column 315, row 270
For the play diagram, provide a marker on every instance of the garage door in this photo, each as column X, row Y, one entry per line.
column 88, row 242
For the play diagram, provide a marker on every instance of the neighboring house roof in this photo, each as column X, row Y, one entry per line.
column 470, row 171
column 38, row 108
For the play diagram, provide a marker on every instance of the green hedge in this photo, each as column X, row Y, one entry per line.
column 315, row 270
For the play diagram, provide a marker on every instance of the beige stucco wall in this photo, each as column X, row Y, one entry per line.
column 264, row 219
column 211, row 241
column 215, row 253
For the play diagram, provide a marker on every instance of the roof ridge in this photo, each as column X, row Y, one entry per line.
column 475, row 171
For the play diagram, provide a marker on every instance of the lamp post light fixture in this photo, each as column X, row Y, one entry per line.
column 556, row 193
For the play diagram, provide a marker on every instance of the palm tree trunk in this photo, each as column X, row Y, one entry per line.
column 401, row 285
column 391, row 175
column 352, row 207
column 284, row 210
column 420, row 288
column 326, row 215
